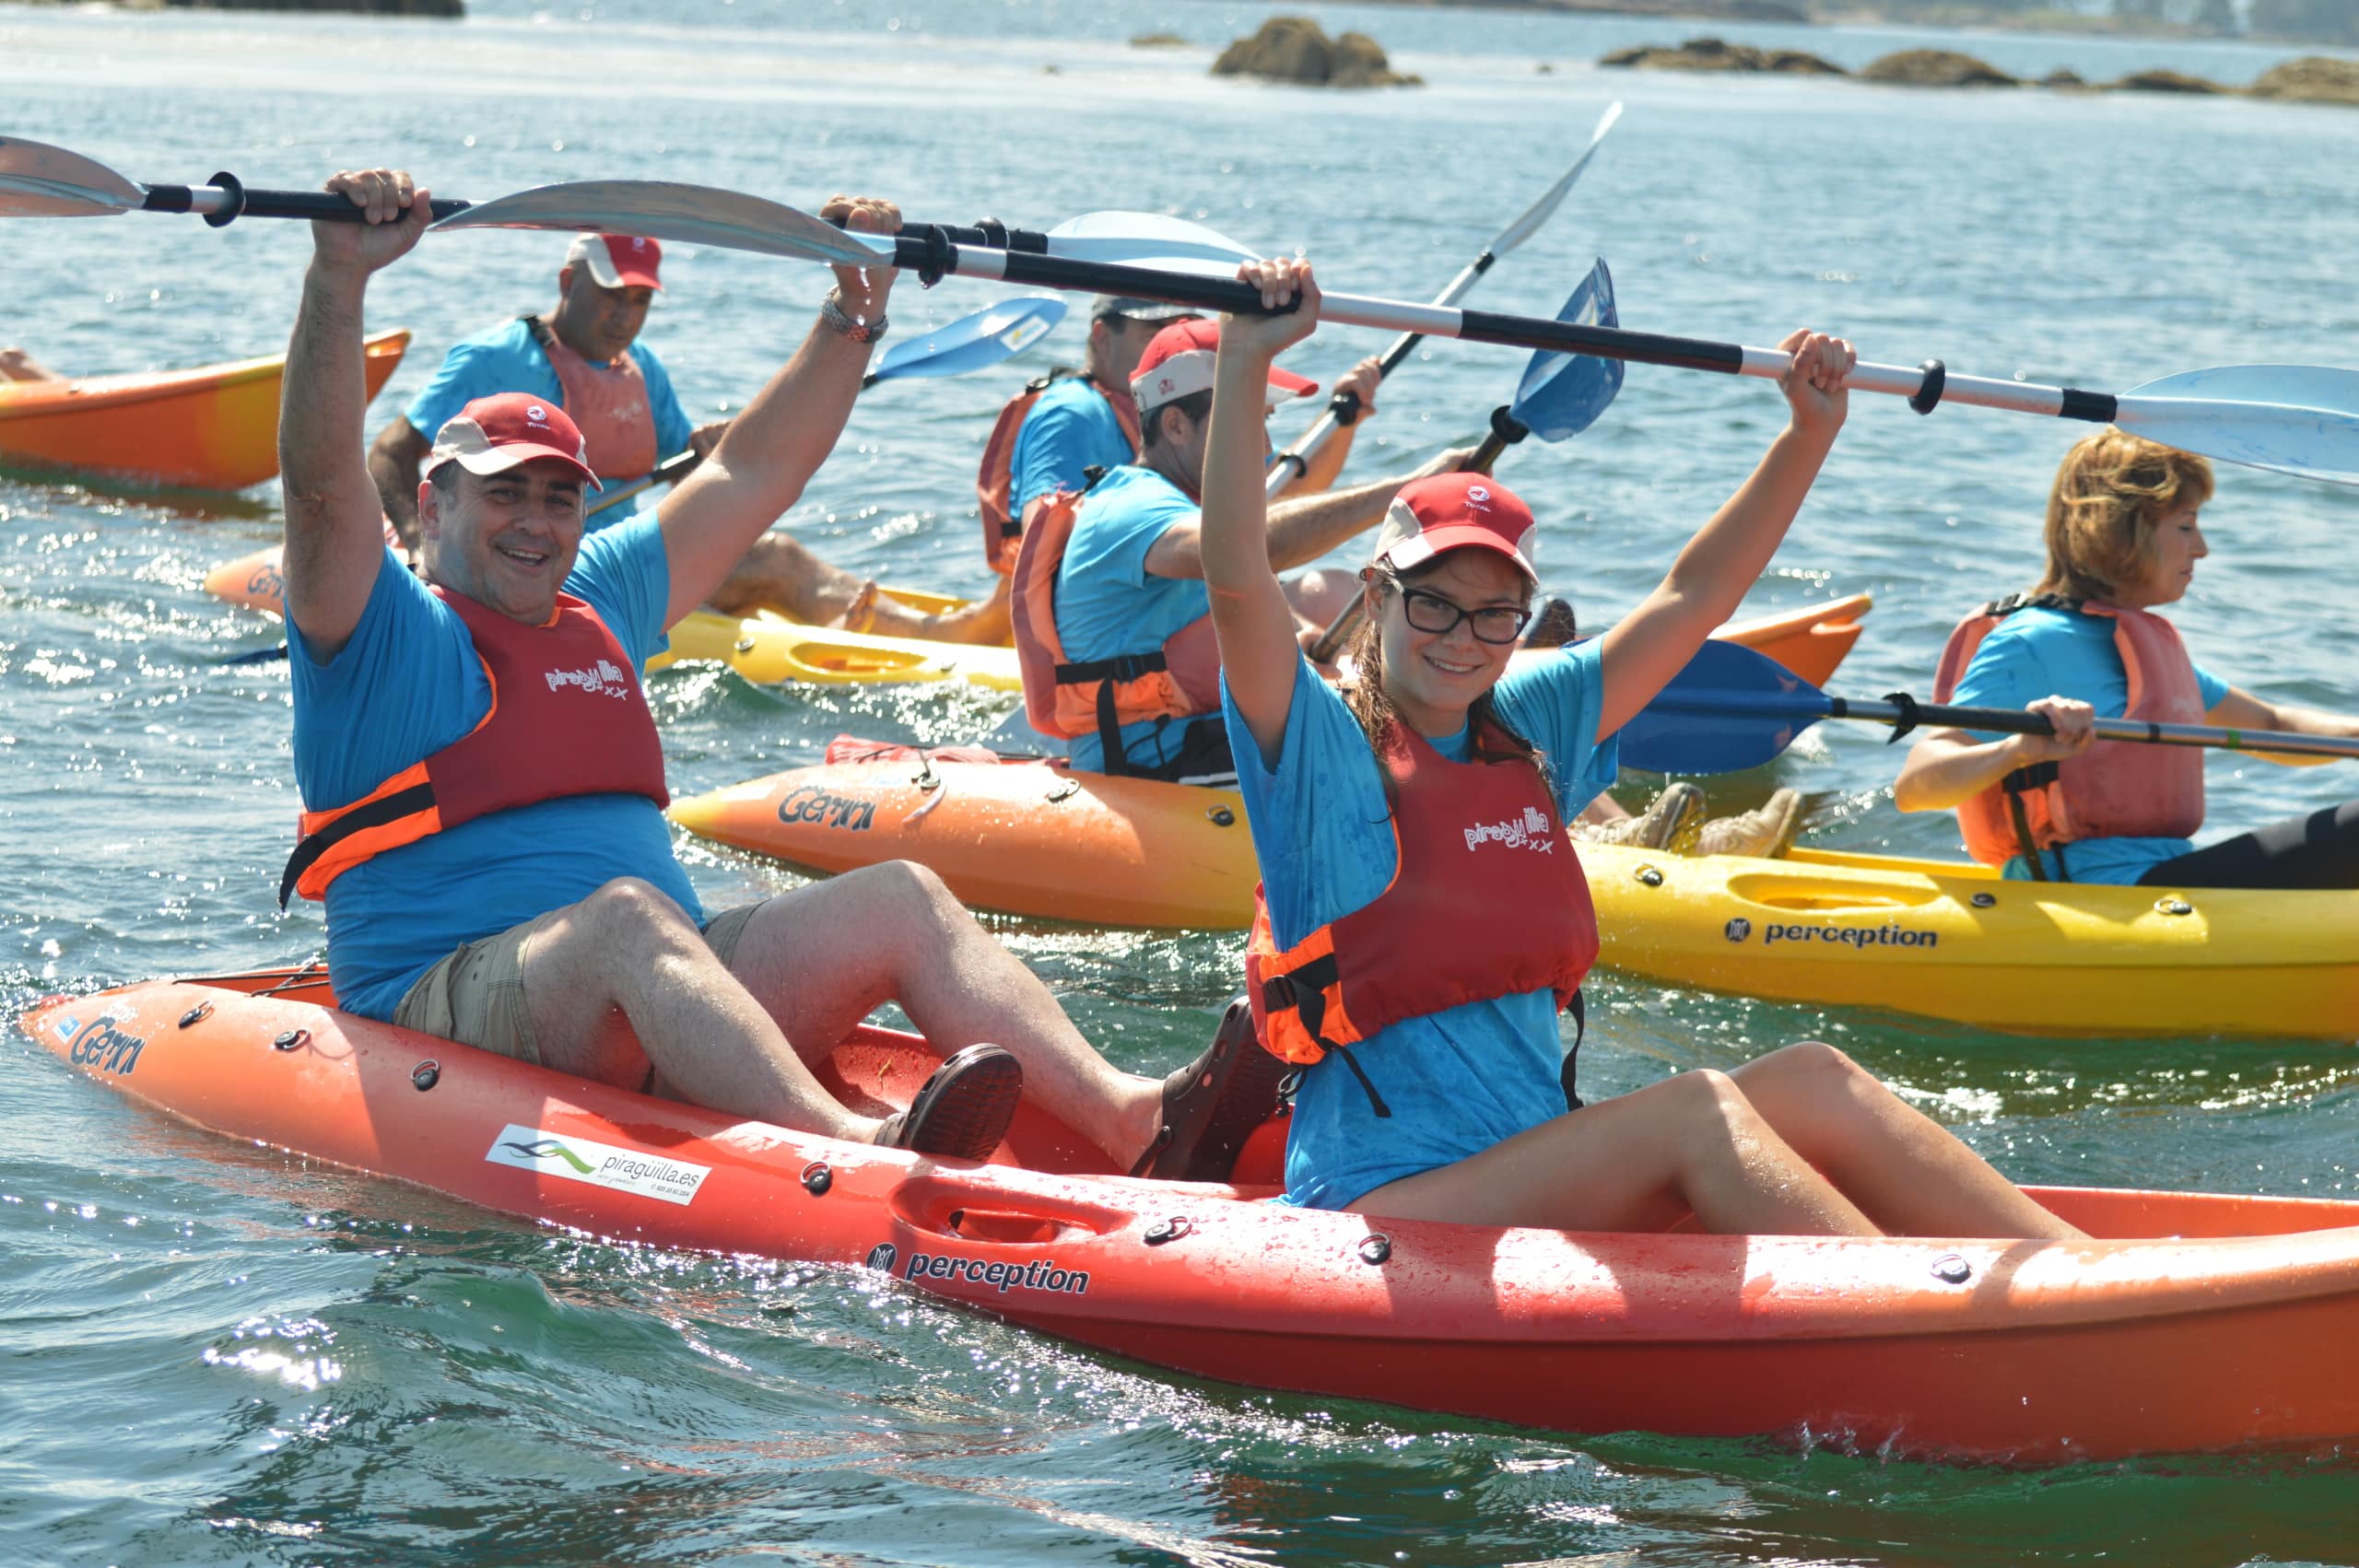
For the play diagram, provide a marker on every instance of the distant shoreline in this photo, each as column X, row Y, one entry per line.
column 438, row 8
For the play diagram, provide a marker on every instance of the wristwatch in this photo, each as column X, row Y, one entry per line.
column 831, row 312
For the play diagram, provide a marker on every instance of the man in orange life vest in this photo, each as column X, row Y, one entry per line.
column 1111, row 618
column 484, row 788
column 587, row 357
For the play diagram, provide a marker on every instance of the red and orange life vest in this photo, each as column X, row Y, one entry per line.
column 1062, row 698
column 608, row 404
column 1486, row 900
column 567, row 717
column 2115, row 790
column 995, row 479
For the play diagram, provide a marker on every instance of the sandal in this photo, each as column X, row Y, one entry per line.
column 1212, row 1105
column 962, row 1111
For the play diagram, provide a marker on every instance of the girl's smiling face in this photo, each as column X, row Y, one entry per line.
column 1434, row 677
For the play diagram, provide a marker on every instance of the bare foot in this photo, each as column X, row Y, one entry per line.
column 860, row 616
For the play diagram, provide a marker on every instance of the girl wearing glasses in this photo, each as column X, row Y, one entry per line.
column 1425, row 916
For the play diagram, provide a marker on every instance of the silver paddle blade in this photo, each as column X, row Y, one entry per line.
column 664, row 209
column 1148, row 240
column 1523, row 228
column 41, row 181
column 2296, row 419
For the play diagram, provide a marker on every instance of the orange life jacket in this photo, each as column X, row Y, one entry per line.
column 608, row 404
column 1486, row 900
column 995, row 479
column 567, row 717
column 1178, row 679
column 2116, row 789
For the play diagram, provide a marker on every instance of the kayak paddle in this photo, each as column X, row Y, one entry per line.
column 1732, row 708
column 41, row 181
column 1343, row 408
column 2304, row 422
column 1559, row 396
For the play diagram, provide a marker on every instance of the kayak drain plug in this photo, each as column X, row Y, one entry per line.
column 1952, row 1270
column 817, row 1178
column 426, row 1075
column 197, row 1014
column 1376, row 1248
column 1171, row 1229
column 292, row 1039
column 1985, row 900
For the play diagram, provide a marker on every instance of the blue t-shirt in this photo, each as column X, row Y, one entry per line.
column 1458, row 1081
column 506, row 359
column 2043, row 652
column 1069, row 428
column 1110, row 604
column 409, row 683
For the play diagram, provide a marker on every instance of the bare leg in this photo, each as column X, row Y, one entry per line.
column 780, row 573
column 823, row 957
column 624, row 978
column 1637, row 1162
column 1904, row 1170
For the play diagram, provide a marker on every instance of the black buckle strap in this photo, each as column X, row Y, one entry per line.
column 376, row 813
column 1572, row 1057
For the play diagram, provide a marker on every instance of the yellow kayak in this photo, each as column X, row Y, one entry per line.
column 1936, row 938
column 768, row 648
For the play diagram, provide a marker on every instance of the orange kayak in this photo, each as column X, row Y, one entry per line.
column 2194, row 1322
column 1036, row 839
column 211, row 428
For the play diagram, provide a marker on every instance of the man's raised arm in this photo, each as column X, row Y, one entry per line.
column 771, row 450
column 336, row 537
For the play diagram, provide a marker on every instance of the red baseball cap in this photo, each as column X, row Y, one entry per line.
column 1455, row 511
column 1179, row 361
column 492, row 435
column 618, row 261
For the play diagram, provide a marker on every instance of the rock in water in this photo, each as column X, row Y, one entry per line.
column 2165, row 81
column 1716, row 54
column 1936, row 68
column 1295, row 49
column 2313, row 79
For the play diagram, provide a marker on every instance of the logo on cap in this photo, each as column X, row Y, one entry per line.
column 537, row 412
column 1477, row 496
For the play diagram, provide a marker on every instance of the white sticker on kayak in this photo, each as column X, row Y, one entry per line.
column 67, row 1028
column 600, row 1164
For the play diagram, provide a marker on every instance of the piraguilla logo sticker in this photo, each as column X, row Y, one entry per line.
column 598, row 1164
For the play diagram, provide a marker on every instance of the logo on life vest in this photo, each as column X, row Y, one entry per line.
column 1737, row 929
column 603, row 679
column 1529, row 831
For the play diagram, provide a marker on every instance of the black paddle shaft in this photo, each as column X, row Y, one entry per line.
column 937, row 253
column 328, row 205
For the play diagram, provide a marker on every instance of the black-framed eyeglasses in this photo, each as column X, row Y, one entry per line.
column 1432, row 614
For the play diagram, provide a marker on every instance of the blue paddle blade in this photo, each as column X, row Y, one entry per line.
column 1730, row 708
column 976, row 342
column 2297, row 419
column 1562, row 394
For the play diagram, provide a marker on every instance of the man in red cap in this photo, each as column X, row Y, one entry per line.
column 585, row 357
column 484, row 787
column 1111, row 618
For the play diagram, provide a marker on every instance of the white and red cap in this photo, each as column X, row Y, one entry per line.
column 492, row 435
column 1179, row 362
column 618, row 261
column 1455, row 511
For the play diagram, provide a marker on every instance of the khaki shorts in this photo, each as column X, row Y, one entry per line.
column 476, row 996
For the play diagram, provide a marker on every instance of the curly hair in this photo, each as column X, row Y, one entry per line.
column 2111, row 490
column 1372, row 705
